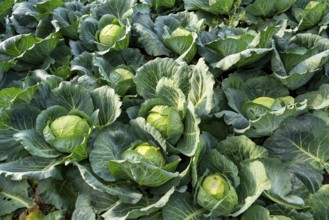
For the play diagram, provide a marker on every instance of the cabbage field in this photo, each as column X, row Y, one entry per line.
column 164, row 109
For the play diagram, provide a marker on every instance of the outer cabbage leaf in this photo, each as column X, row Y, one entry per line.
column 109, row 145
column 281, row 184
column 202, row 92
column 303, row 55
column 213, row 6
column 317, row 99
column 143, row 208
column 318, row 203
column 144, row 173
column 148, row 76
column 257, row 212
column 303, row 138
column 14, row 195
column 30, row 49
column 31, row 167
column 238, row 47
column 250, row 100
column 267, row 8
column 180, row 206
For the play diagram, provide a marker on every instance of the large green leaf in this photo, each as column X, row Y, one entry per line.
column 295, row 67
column 146, row 206
column 202, row 93
column 317, row 99
column 148, row 76
column 120, row 9
column 302, row 138
column 123, row 190
column 7, row 95
column 254, row 181
column 261, row 7
column 72, row 98
column 60, row 193
column 169, row 91
column 241, row 148
column 140, row 172
column 30, row 49
column 35, row 144
column 109, row 145
column 150, row 41
column 32, row 167
column 83, row 63
column 191, row 136
column 213, row 6
column 9, row 147
column 257, row 212
column 308, row 175
column 5, row 7
column 310, row 15
column 87, row 30
column 182, row 207
column 83, row 209
column 108, row 103
column 14, row 195
column 66, row 21
column 183, row 44
column 19, row 117
column 319, row 201
column 281, row 184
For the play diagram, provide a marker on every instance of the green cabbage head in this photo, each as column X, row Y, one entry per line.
column 167, row 121
column 110, row 34
column 66, row 132
column 217, row 195
column 215, row 185
column 122, row 79
column 147, row 153
column 181, row 41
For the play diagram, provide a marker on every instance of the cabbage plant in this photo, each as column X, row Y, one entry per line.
column 229, row 47
column 259, row 104
column 64, row 128
column 111, row 34
column 215, row 190
column 107, row 33
column 215, row 7
column 164, row 109
column 175, row 34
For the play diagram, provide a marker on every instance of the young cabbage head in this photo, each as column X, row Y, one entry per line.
column 179, row 41
column 215, row 185
column 215, row 189
column 166, row 120
column 110, row 34
column 66, row 132
column 145, row 152
column 122, row 78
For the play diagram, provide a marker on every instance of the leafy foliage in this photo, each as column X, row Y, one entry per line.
column 164, row 109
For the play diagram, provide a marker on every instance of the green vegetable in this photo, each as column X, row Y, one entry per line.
column 110, row 34
column 164, row 109
column 66, row 132
column 147, row 153
column 69, row 126
column 166, row 120
column 181, row 41
column 215, row 185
